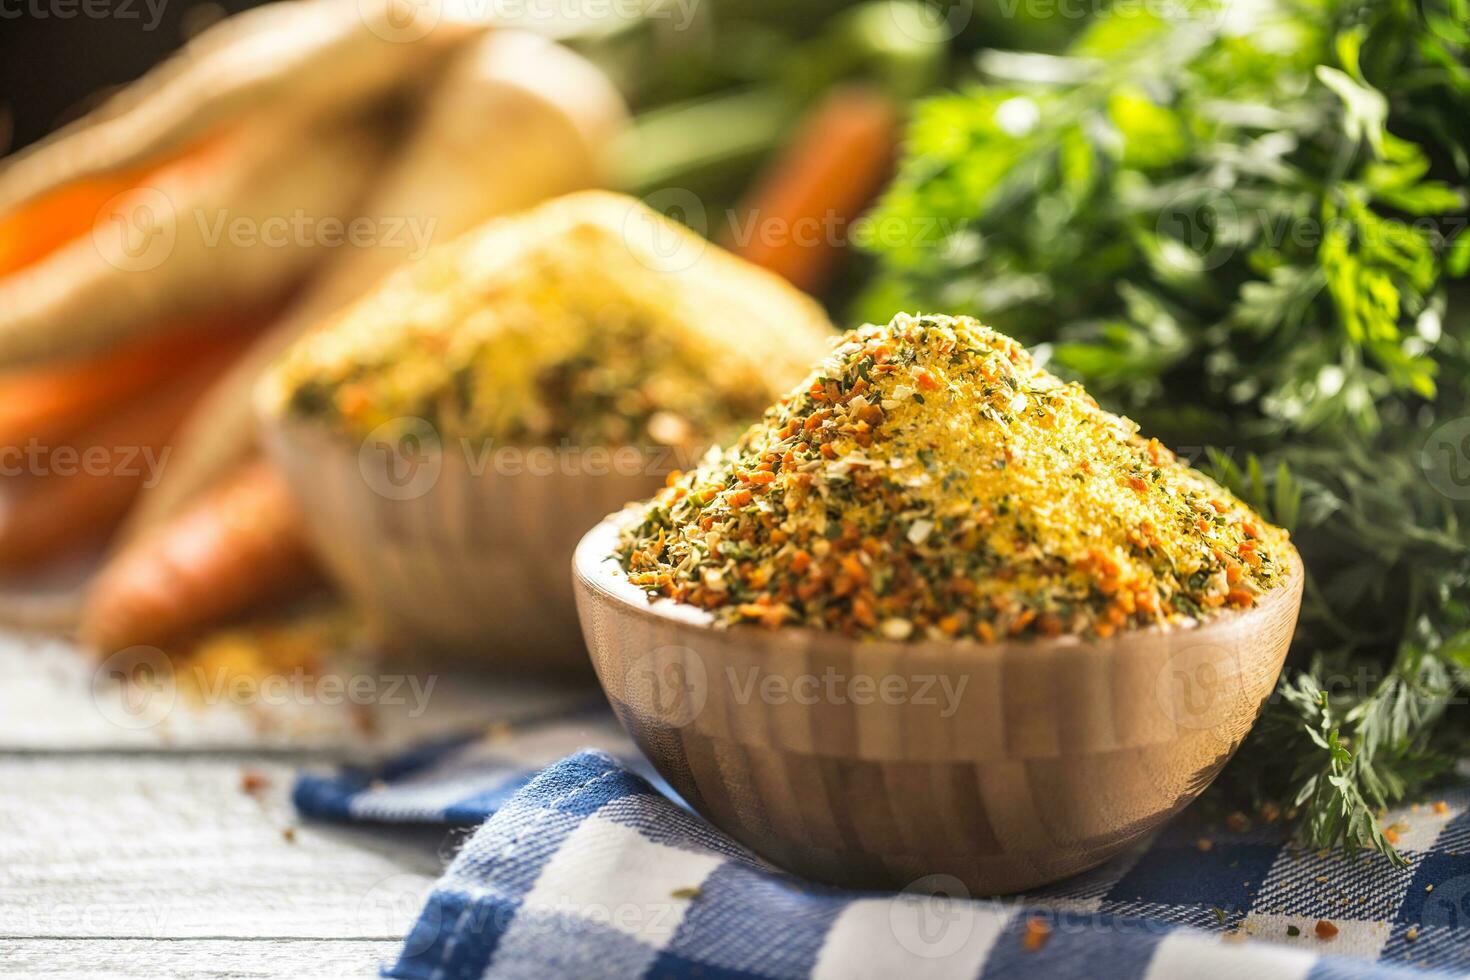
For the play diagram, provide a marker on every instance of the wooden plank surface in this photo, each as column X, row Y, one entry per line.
column 54, row 699
column 158, row 847
column 133, row 849
column 286, row 959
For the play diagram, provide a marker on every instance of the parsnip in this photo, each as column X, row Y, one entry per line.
column 289, row 62
column 201, row 238
column 515, row 120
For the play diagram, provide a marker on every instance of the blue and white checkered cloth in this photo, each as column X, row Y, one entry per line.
column 584, row 868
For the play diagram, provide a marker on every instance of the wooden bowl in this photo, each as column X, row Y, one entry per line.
column 874, row 764
column 457, row 551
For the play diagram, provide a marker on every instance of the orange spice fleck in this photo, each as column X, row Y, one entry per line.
column 1037, row 933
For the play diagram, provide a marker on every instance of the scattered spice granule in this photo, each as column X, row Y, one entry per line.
column 288, row 834
column 1203, row 844
column 1429, row 888
column 688, row 894
column 1441, row 807
column 1391, row 835
column 1238, row 822
column 499, row 731
column 560, row 326
column 929, row 480
column 1325, row 929
column 1412, row 933
column 1038, row 931
column 1269, row 812
column 365, row 720
column 1293, row 931
column 253, row 781
column 293, row 640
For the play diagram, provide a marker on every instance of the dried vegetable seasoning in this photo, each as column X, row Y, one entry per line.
column 590, row 320
column 929, row 479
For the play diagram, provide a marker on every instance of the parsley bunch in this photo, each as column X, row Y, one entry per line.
column 1242, row 226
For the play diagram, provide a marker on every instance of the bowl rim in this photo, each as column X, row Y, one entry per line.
column 595, row 569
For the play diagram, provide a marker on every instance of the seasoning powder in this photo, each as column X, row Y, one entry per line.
column 929, row 479
column 588, row 321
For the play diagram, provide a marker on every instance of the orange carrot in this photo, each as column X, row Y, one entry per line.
column 50, row 403
column 56, row 497
column 45, row 225
column 800, row 212
column 238, row 546
column 41, row 226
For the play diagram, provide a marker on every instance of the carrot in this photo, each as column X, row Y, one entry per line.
column 51, row 403
column 42, row 225
column 238, row 546
column 45, row 225
column 801, row 209
column 54, row 498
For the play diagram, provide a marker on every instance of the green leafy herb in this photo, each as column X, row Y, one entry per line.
column 1243, row 227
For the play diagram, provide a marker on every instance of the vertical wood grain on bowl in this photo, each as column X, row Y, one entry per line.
column 869, row 763
column 446, row 548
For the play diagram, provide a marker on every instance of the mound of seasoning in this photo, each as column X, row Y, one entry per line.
column 929, row 479
column 590, row 321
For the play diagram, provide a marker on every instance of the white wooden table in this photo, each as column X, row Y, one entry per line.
column 134, row 849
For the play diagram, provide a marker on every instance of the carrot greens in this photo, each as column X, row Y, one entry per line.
column 1241, row 224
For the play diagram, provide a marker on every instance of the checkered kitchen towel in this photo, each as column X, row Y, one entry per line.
column 586, row 869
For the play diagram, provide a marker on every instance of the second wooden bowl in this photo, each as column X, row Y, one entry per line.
column 875, row 764
column 452, row 549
